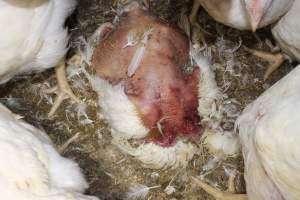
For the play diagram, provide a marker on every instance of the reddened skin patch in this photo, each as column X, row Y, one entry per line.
column 164, row 96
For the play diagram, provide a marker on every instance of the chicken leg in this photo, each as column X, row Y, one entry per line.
column 64, row 146
column 219, row 195
column 194, row 12
column 274, row 60
column 62, row 89
column 195, row 32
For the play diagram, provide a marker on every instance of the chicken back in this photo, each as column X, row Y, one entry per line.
column 149, row 56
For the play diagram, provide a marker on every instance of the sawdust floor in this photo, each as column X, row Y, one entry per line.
column 109, row 172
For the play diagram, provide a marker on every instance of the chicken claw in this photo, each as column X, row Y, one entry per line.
column 274, row 60
column 220, row 195
column 62, row 89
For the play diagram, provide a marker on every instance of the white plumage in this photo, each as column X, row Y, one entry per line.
column 31, row 168
column 125, row 124
column 269, row 132
column 234, row 13
column 33, row 37
column 286, row 32
column 128, row 130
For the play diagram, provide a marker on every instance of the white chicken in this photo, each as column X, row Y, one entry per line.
column 269, row 132
column 31, row 168
column 286, row 33
column 236, row 13
column 253, row 14
column 33, row 38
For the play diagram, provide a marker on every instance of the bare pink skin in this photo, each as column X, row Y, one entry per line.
column 160, row 91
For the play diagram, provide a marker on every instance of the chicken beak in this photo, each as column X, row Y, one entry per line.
column 255, row 22
column 255, row 9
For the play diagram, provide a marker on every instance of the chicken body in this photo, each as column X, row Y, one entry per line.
column 158, row 87
column 32, row 37
column 286, row 32
column 30, row 167
column 269, row 133
column 144, row 92
column 236, row 13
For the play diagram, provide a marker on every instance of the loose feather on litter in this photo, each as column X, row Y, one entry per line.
column 139, row 191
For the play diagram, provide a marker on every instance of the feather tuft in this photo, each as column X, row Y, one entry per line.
column 139, row 191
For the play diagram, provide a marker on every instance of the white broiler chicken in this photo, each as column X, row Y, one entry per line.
column 31, row 168
column 152, row 106
column 269, row 133
column 236, row 13
column 253, row 14
column 33, row 38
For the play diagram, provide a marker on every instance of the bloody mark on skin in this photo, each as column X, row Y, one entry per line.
column 166, row 98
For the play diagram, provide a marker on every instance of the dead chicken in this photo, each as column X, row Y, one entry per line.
column 148, row 100
column 33, row 38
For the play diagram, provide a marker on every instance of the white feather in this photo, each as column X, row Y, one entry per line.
column 118, row 110
column 222, row 143
column 30, row 167
column 269, row 133
column 139, row 191
column 156, row 157
column 139, row 54
column 32, row 39
column 210, row 108
column 136, row 60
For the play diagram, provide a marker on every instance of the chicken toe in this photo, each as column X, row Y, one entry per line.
column 274, row 60
column 220, row 195
column 64, row 146
column 62, row 89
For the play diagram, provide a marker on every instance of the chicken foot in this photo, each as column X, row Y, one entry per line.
column 62, row 89
column 63, row 147
column 274, row 60
column 220, row 195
